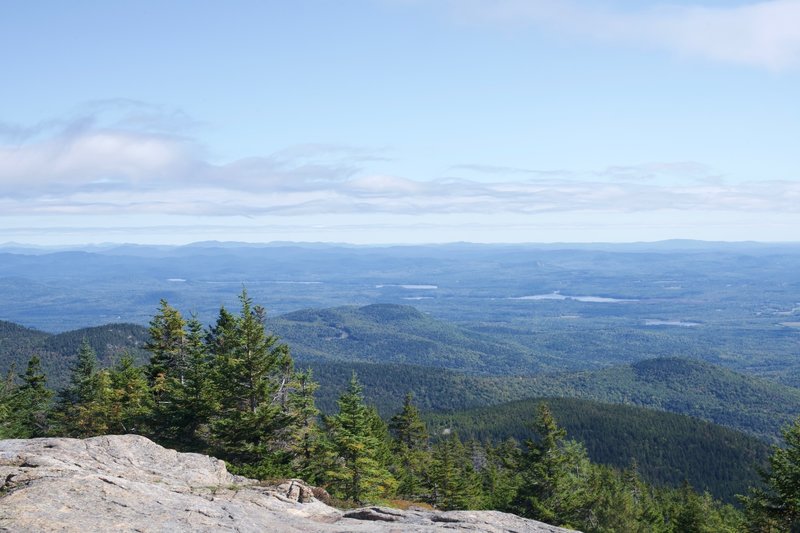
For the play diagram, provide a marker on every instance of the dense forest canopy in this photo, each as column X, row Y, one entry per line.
column 232, row 389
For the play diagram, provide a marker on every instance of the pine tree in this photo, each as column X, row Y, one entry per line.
column 252, row 375
column 29, row 404
column 776, row 507
column 81, row 405
column 166, row 345
column 185, row 400
column 411, row 449
column 130, row 402
column 455, row 484
column 500, row 476
column 356, row 471
column 554, row 472
column 305, row 441
column 8, row 388
column 195, row 398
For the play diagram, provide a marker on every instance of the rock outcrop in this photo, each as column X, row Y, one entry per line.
column 129, row 483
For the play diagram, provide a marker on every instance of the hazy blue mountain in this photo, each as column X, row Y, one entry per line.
column 583, row 306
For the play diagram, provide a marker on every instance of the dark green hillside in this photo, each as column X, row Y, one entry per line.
column 435, row 389
column 396, row 349
column 676, row 385
column 685, row 386
column 388, row 333
column 667, row 447
column 17, row 343
column 57, row 352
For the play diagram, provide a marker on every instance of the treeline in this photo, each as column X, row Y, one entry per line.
column 56, row 351
column 668, row 448
column 231, row 390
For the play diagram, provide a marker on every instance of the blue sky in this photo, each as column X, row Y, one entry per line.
column 399, row 121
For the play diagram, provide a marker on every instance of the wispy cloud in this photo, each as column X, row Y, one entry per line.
column 95, row 168
column 762, row 34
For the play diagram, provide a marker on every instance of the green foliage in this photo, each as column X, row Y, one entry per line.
column 453, row 480
column 389, row 333
column 555, row 472
column 410, row 448
column 668, row 448
column 356, row 470
column 7, row 391
column 57, row 353
column 679, row 385
column 776, row 507
column 252, row 376
column 231, row 390
column 130, row 397
column 501, row 474
column 306, row 445
column 81, row 406
column 167, row 345
column 27, row 407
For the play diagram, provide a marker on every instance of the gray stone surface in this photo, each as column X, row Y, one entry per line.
column 129, row 483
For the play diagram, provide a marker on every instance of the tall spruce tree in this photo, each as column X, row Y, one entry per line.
column 555, row 472
column 411, row 450
column 194, row 397
column 8, row 388
column 81, row 405
column 454, row 482
column 166, row 345
column 131, row 402
column 306, row 438
column 29, row 404
column 355, row 469
column 252, row 374
column 500, row 475
column 776, row 506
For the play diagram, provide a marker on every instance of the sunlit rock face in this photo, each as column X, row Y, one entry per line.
column 129, row 483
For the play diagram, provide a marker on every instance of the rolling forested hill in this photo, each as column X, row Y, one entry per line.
column 389, row 333
column 57, row 352
column 683, row 386
column 379, row 342
column 666, row 447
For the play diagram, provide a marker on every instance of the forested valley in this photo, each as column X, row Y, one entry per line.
column 232, row 390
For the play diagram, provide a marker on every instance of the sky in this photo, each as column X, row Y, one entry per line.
column 399, row 121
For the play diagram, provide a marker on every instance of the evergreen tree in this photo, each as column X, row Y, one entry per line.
column 81, row 405
column 130, row 399
column 555, row 471
column 195, row 398
column 185, row 400
column 500, row 475
column 355, row 470
column 8, row 388
column 30, row 403
column 305, row 444
column 455, row 484
column 410, row 449
column 166, row 346
column 776, row 507
column 252, row 375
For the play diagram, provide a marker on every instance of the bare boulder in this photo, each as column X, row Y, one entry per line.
column 129, row 483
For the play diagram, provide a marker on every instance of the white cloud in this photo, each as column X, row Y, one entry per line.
column 98, row 169
column 761, row 34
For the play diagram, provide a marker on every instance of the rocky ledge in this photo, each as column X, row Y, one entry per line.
column 129, row 483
